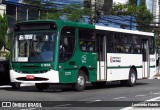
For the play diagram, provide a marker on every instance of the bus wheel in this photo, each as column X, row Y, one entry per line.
column 81, row 81
column 42, row 86
column 16, row 85
column 132, row 78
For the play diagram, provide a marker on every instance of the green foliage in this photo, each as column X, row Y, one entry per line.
column 7, row 56
column 52, row 16
column 157, row 31
column 52, row 13
column 34, row 2
column 1, row 37
column 3, row 29
column 133, row 3
column 70, row 12
column 75, row 13
column 8, row 37
column 144, row 18
column 141, row 13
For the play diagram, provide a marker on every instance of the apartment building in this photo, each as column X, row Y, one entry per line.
column 156, row 12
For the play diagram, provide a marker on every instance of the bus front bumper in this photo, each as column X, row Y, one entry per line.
column 51, row 76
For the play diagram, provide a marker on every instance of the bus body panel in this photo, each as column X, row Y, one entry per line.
column 119, row 65
column 80, row 60
column 152, row 66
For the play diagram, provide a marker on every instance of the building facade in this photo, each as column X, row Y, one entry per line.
column 103, row 6
column 16, row 10
column 156, row 12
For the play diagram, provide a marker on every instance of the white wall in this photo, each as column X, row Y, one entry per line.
column 2, row 8
column 156, row 11
column 120, row 1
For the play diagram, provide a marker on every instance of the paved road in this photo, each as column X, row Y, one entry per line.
column 93, row 97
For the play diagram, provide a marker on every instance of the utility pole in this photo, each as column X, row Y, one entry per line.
column 159, row 10
column 93, row 7
column 27, row 14
column 158, row 35
column 16, row 13
column 97, row 10
column 131, row 22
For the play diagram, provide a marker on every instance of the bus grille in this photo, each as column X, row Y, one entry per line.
column 35, row 79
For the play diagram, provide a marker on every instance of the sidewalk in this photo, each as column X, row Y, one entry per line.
column 157, row 76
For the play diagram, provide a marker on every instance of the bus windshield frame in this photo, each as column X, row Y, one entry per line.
column 34, row 46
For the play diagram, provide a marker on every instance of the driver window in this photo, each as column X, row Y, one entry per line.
column 67, row 43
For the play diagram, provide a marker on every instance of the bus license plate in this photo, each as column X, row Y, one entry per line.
column 30, row 77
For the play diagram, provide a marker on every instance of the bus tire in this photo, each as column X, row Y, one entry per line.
column 16, row 85
column 42, row 86
column 132, row 78
column 81, row 81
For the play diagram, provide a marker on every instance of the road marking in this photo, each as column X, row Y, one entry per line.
column 140, row 95
column 127, row 108
column 154, row 99
column 62, row 105
column 120, row 98
column 28, row 109
column 4, row 86
column 157, row 93
column 94, row 101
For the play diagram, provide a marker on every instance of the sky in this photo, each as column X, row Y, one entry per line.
column 120, row 1
column 64, row 1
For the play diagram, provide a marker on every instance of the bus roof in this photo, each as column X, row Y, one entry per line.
column 82, row 25
column 61, row 23
column 124, row 30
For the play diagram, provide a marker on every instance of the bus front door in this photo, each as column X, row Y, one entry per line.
column 145, row 58
column 102, row 56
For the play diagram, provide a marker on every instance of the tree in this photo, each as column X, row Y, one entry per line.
column 3, row 30
column 70, row 12
column 157, row 32
column 34, row 6
column 144, row 18
column 142, row 15
column 75, row 13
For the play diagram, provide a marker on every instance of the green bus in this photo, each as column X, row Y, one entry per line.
column 48, row 52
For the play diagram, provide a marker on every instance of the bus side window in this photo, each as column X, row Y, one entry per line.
column 83, row 45
column 87, row 40
column 90, row 46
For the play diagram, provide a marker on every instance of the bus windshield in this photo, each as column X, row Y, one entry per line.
column 34, row 47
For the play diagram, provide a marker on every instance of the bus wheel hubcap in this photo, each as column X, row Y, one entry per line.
column 81, row 80
column 133, row 78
